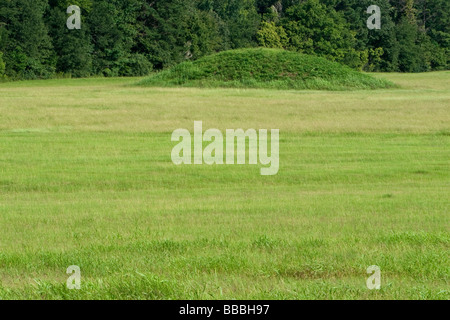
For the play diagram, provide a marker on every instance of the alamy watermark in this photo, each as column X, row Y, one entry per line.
column 374, row 281
column 374, row 21
column 74, row 21
column 74, row 281
column 214, row 151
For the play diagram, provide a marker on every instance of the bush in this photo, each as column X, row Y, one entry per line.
column 134, row 65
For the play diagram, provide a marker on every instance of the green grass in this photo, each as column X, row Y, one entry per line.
column 264, row 68
column 86, row 179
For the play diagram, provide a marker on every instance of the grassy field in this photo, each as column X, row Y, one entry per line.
column 86, row 179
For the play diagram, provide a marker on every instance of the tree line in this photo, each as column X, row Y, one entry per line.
column 134, row 37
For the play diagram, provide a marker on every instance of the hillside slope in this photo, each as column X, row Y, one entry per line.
column 265, row 68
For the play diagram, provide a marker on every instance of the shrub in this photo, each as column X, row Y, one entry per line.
column 134, row 65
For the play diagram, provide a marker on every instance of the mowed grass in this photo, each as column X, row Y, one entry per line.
column 86, row 179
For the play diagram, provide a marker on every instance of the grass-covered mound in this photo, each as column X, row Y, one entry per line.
column 265, row 68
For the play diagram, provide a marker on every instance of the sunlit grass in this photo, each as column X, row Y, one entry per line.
column 86, row 179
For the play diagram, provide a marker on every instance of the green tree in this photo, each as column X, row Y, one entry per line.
column 107, row 38
column 161, row 36
column 263, row 6
column 203, row 34
column 418, row 50
column 28, row 49
column 131, row 37
column 373, row 42
column 272, row 36
column 240, row 19
column 434, row 19
column 72, row 47
column 314, row 28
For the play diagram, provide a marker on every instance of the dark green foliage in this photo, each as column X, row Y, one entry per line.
column 405, row 42
column 238, row 21
column 314, row 28
column 107, row 38
column 2, row 66
column 135, row 64
column 133, row 37
column 2, row 63
column 380, row 46
column 263, row 6
column 163, row 37
column 27, row 46
column 72, row 47
column 265, row 68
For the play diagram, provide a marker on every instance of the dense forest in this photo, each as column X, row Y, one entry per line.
column 134, row 37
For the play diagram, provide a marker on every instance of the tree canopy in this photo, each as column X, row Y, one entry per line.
column 133, row 37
